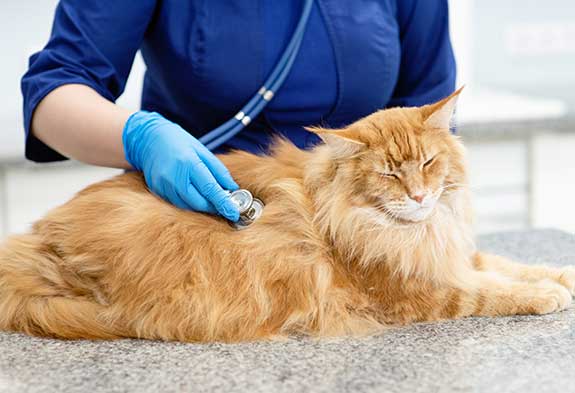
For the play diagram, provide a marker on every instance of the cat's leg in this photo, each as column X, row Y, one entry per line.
column 35, row 299
column 493, row 294
column 532, row 273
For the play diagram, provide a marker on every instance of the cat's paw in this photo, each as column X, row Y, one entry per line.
column 567, row 278
column 548, row 297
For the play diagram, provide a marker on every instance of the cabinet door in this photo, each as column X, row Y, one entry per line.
column 554, row 181
column 31, row 192
column 498, row 175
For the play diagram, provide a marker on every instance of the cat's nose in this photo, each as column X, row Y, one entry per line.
column 417, row 197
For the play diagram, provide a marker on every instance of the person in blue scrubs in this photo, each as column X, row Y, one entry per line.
column 204, row 60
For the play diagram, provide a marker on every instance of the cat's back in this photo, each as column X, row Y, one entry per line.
column 123, row 209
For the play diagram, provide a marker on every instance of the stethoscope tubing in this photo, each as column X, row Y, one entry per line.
column 257, row 103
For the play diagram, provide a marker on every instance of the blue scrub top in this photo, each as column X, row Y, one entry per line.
column 205, row 59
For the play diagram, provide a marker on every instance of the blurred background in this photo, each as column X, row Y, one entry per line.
column 516, row 115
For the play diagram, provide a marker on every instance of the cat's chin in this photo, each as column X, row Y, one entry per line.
column 386, row 218
column 415, row 216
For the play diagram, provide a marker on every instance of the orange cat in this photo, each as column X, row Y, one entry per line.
column 368, row 230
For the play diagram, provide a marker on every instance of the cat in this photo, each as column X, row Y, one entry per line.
column 370, row 229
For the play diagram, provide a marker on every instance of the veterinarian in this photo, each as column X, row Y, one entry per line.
column 205, row 60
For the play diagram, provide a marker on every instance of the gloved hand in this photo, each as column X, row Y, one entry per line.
column 177, row 167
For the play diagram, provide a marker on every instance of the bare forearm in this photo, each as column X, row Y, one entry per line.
column 77, row 122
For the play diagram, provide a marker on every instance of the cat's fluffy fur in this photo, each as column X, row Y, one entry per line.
column 341, row 248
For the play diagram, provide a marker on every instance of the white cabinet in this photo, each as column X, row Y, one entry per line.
column 499, row 179
column 554, row 180
column 497, row 165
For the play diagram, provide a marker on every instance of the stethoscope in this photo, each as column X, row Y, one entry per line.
column 250, row 207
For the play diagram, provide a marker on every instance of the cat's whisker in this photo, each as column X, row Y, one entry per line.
column 395, row 204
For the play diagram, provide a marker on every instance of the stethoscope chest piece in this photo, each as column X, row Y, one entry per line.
column 250, row 208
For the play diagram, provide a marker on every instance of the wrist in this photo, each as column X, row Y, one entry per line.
column 136, row 135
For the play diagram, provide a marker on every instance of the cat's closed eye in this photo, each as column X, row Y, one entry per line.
column 389, row 175
column 428, row 162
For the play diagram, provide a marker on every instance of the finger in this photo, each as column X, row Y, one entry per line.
column 205, row 183
column 165, row 191
column 197, row 202
column 174, row 198
column 187, row 200
column 218, row 169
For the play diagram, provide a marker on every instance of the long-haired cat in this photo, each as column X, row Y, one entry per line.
column 370, row 229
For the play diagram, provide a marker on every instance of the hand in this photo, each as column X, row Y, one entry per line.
column 177, row 167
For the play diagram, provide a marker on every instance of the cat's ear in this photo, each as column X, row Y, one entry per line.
column 439, row 115
column 345, row 141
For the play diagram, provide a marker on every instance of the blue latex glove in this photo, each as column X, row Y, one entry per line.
column 177, row 167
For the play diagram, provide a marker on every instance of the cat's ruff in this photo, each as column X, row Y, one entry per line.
column 340, row 248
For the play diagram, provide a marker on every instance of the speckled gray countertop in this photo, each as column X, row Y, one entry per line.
column 517, row 354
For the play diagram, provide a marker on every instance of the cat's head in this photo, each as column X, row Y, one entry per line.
column 397, row 162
